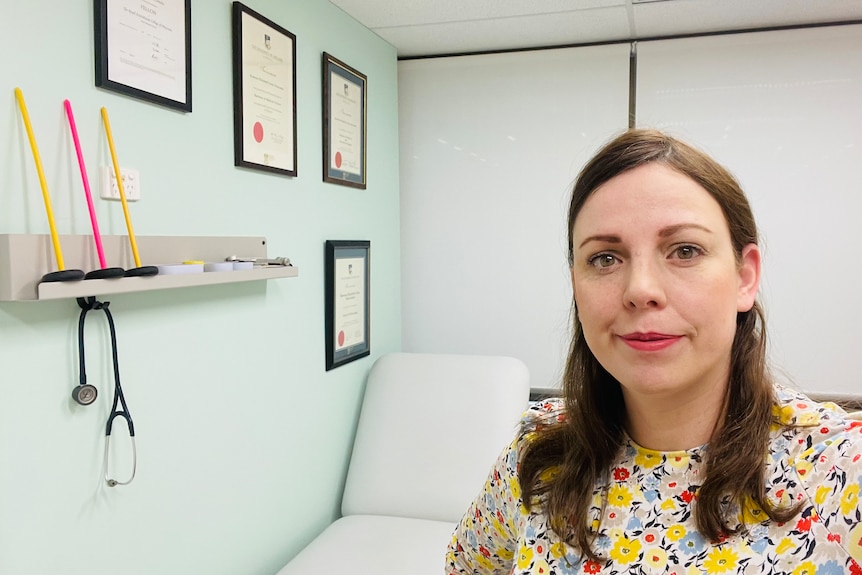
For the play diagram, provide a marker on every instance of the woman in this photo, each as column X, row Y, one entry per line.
column 673, row 450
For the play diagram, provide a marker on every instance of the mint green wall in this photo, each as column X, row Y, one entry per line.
column 243, row 438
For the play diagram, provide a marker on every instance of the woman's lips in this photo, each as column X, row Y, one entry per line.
column 649, row 341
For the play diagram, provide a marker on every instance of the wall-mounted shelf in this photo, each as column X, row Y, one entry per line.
column 25, row 258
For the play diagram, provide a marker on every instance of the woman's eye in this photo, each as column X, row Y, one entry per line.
column 687, row 252
column 602, row 261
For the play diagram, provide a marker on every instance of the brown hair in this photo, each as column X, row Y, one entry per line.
column 584, row 445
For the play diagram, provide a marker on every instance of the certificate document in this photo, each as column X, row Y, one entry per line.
column 147, row 46
column 345, row 121
column 267, row 70
column 345, row 128
column 349, row 314
column 348, row 302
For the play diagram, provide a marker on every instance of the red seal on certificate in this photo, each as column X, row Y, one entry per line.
column 258, row 132
column 340, row 338
column 337, row 159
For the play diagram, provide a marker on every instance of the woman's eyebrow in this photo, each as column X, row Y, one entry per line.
column 601, row 238
column 664, row 233
column 671, row 230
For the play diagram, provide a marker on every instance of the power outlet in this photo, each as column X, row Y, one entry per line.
column 109, row 189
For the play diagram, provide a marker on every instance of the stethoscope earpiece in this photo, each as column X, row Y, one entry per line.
column 85, row 394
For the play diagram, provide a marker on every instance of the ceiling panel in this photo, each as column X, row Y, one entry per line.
column 508, row 33
column 699, row 16
column 437, row 27
column 387, row 13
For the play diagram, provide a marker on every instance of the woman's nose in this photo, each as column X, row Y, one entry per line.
column 644, row 286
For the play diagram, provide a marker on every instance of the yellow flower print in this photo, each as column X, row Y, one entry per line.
column 549, row 474
column 498, row 527
column 752, row 514
column 678, row 460
column 525, row 556
column 515, row 488
column 625, row 550
column 855, row 540
column 655, row 557
column 506, row 554
column 647, row 458
column 807, row 454
column 619, row 496
column 850, row 499
column 784, row 414
column 808, row 419
column 485, row 562
column 668, row 505
column 822, row 492
column 721, row 560
column 807, row 568
column 676, row 532
column 541, row 567
column 558, row 550
column 803, row 467
column 785, row 546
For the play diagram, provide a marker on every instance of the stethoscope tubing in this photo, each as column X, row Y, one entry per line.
column 88, row 392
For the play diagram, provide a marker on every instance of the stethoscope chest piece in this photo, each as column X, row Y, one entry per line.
column 85, row 394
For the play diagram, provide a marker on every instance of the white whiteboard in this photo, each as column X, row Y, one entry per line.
column 489, row 148
column 783, row 111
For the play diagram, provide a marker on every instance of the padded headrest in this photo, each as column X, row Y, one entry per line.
column 430, row 428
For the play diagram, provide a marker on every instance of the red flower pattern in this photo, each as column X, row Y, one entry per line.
column 801, row 460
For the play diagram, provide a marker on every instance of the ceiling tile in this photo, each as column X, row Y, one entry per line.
column 387, row 13
column 700, row 16
column 435, row 27
column 509, row 33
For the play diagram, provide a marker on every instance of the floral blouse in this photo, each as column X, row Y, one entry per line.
column 648, row 525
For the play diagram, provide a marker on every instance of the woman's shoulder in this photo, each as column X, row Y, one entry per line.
column 817, row 456
column 541, row 414
column 813, row 426
column 816, row 439
column 811, row 423
column 795, row 409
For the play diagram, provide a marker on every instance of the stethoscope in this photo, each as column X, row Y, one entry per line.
column 85, row 394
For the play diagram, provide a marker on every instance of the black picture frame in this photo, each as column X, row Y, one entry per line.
column 345, row 124
column 137, row 50
column 264, row 93
column 348, row 301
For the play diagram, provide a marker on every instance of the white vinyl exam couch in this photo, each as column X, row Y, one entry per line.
column 430, row 428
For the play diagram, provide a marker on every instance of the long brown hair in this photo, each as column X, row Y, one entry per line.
column 582, row 447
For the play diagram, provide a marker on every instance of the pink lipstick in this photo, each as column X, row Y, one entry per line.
column 649, row 341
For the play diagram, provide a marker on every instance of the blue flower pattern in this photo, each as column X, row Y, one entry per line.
column 647, row 525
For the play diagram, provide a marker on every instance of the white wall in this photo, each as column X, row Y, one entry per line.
column 242, row 436
column 483, row 215
column 489, row 148
column 783, row 110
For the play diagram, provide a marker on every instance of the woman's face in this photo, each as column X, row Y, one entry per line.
column 657, row 284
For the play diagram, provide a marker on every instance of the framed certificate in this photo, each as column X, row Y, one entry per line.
column 348, row 297
column 344, row 123
column 144, row 50
column 264, row 93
